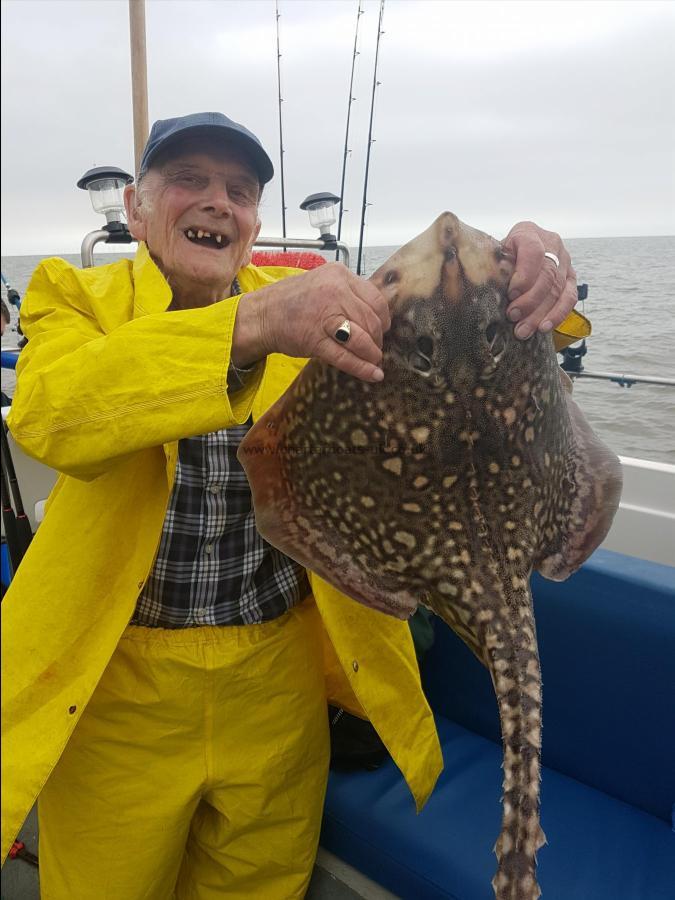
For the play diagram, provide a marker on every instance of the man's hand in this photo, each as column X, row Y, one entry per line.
column 299, row 317
column 542, row 295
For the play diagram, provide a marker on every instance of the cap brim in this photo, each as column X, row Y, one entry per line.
column 251, row 150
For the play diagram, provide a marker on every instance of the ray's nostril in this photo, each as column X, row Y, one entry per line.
column 420, row 363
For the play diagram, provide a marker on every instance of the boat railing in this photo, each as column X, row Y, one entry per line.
column 624, row 380
column 102, row 235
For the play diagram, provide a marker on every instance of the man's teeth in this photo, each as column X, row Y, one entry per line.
column 202, row 234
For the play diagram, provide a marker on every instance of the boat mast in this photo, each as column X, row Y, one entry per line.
column 139, row 77
column 370, row 140
column 349, row 110
column 281, row 133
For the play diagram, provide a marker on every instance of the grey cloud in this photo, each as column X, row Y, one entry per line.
column 576, row 134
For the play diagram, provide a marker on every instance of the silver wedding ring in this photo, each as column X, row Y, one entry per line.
column 343, row 332
column 552, row 257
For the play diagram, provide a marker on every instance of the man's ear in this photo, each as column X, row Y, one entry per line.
column 246, row 259
column 134, row 216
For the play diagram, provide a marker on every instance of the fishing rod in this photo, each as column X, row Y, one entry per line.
column 349, row 110
column 281, row 133
column 370, row 139
column 9, row 523
column 22, row 533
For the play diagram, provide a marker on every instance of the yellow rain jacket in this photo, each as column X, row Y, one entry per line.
column 108, row 384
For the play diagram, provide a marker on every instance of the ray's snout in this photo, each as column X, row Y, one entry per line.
column 449, row 255
column 471, row 255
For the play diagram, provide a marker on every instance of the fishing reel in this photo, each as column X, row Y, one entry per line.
column 572, row 356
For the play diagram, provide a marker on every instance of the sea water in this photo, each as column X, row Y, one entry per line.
column 631, row 304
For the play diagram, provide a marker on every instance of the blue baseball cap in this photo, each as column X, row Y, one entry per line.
column 166, row 132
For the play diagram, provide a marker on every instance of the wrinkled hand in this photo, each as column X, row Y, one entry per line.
column 542, row 296
column 299, row 317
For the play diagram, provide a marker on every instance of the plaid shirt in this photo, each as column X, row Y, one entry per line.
column 212, row 567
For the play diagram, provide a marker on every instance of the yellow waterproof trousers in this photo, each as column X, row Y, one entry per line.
column 197, row 771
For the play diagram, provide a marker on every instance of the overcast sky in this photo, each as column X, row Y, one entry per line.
column 560, row 112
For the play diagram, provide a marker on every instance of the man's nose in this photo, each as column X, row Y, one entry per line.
column 217, row 200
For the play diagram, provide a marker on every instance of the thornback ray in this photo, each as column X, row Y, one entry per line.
column 445, row 485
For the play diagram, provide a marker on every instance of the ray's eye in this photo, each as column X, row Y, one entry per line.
column 425, row 345
column 450, row 254
column 391, row 277
column 491, row 332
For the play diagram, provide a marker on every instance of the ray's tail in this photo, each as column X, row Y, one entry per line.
column 514, row 665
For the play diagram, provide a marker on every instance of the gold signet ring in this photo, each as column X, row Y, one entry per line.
column 343, row 332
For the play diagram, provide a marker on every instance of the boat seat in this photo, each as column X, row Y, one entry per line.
column 606, row 640
column 599, row 848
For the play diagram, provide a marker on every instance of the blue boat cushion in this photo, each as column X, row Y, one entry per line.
column 598, row 847
column 606, row 639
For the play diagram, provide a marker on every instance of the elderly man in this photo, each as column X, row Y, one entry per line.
column 166, row 670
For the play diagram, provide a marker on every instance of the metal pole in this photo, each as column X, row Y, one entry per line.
column 624, row 380
column 349, row 110
column 281, row 133
column 370, row 140
column 95, row 237
column 139, row 77
column 89, row 242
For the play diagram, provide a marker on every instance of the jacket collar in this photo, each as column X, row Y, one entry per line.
column 152, row 293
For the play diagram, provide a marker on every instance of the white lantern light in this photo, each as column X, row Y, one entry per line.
column 106, row 191
column 321, row 209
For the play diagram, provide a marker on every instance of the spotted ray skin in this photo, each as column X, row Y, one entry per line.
column 446, row 484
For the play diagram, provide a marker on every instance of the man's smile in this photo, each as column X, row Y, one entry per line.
column 209, row 239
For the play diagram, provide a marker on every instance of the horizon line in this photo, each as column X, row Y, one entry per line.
column 351, row 247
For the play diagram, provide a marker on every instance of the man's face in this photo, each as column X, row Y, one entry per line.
column 209, row 191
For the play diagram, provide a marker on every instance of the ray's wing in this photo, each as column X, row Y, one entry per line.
column 594, row 482
column 286, row 519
